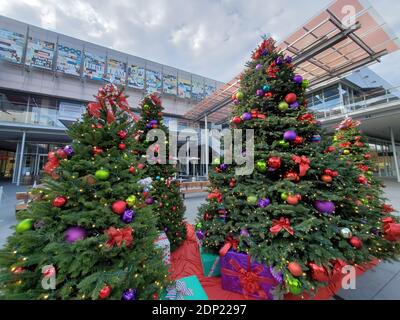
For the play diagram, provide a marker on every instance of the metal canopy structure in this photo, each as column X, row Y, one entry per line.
column 347, row 35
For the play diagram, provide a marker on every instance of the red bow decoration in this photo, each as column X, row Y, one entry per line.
column 250, row 279
column 215, row 195
column 230, row 242
column 156, row 100
column 391, row 229
column 255, row 114
column 272, row 70
column 282, row 223
column 304, row 164
column 118, row 236
column 309, row 117
column 345, row 144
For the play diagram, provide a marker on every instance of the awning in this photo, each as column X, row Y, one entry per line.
column 347, row 35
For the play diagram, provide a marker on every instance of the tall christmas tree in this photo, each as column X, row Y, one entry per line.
column 169, row 203
column 90, row 231
column 293, row 212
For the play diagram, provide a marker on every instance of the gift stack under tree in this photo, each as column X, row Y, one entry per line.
column 289, row 226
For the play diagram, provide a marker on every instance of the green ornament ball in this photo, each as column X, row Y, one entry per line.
column 283, row 143
column 239, row 95
column 365, row 201
column 346, row 233
column 283, row 106
column 217, row 161
column 146, row 107
column 199, row 225
column 131, row 200
column 305, row 83
column 24, row 225
column 294, row 285
column 261, row 166
column 284, row 196
column 370, row 173
column 102, row 174
column 252, row 200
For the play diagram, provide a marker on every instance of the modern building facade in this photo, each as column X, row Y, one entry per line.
column 47, row 78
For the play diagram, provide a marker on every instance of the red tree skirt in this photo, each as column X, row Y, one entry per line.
column 185, row 261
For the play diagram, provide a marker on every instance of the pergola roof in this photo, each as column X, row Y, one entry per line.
column 330, row 45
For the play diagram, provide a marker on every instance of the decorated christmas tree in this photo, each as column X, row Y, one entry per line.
column 90, row 232
column 292, row 213
column 165, row 192
column 352, row 147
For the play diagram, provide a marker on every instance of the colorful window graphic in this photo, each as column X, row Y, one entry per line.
column 170, row 84
column 136, row 77
column 94, row 66
column 197, row 89
column 153, row 81
column 184, row 88
column 11, row 46
column 209, row 89
column 69, row 60
column 40, row 54
column 116, row 72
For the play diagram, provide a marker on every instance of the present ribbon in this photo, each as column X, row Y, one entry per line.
column 391, row 229
column 304, row 164
column 118, row 236
column 230, row 242
column 282, row 223
column 212, row 269
column 178, row 291
column 250, row 279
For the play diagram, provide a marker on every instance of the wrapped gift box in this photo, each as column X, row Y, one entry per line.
column 210, row 263
column 241, row 275
column 188, row 288
column 162, row 242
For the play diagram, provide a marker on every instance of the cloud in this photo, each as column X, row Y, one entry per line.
column 212, row 38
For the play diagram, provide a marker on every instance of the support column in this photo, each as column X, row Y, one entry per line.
column 187, row 157
column 21, row 158
column 396, row 164
column 206, row 155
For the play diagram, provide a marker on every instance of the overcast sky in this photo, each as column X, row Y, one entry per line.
column 212, row 38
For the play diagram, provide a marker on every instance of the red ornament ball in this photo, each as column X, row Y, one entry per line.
column 118, row 206
column 367, row 156
column 293, row 199
column 207, row 216
column 291, row 176
column 362, row 180
column 105, row 292
column 140, row 166
column 298, row 140
column 59, row 201
column 122, row 134
column 295, row 269
column 318, row 273
column 291, row 98
column 330, row 149
column 122, row 146
column 132, row 170
column 97, row 150
column 274, row 162
column 173, row 208
column 355, row 242
column 326, row 178
column 155, row 296
column 236, row 120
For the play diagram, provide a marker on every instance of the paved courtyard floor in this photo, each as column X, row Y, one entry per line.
column 383, row 282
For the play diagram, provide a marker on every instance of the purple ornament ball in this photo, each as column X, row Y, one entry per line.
column 327, row 207
column 260, row 93
column 295, row 105
column 149, row 200
column 200, row 234
column 258, row 66
column 129, row 294
column 236, row 102
column 289, row 135
column 74, row 234
column 263, row 203
column 68, row 150
column 288, row 59
column 246, row 116
column 298, row 79
column 223, row 166
column 279, row 61
column 128, row 216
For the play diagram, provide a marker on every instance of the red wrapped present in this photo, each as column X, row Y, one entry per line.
column 252, row 279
